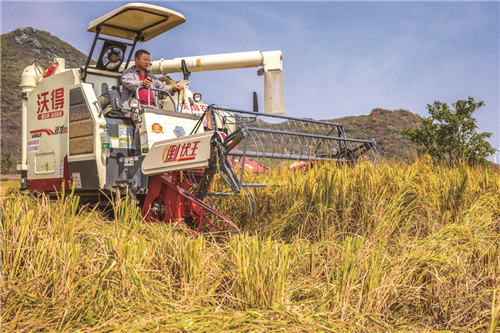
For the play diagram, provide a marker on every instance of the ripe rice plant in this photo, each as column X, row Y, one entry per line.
column 382, row 247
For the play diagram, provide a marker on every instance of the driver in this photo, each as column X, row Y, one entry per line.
column 139, row 75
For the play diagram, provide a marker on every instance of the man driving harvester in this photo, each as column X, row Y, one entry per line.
column 139, row 75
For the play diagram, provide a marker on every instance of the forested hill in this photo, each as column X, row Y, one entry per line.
column 19, row 48
column 385, row 126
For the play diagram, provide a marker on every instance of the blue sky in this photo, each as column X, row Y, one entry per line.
column 339, row 58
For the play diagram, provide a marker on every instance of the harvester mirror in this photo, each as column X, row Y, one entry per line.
column 112, row 55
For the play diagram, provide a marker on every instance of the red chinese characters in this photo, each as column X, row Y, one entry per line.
column 57, row 98
column 185, row 149
column 56, row 104
column 42, row 102
column 180, row 152
column 172, row 153
column 194, row 107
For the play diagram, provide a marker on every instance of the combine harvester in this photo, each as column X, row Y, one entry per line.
column 76, row 130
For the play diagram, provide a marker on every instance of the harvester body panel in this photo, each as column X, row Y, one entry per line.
column 185, row 153
column 61, row 128
column 160, row 125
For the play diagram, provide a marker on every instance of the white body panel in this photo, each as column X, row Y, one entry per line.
column 189, row 152
column 99, row 125
column 158, row 127
column 48, row 127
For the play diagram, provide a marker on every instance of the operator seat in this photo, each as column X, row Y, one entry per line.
column 111, row 103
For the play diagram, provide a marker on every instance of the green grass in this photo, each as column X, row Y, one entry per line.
column 387, row 247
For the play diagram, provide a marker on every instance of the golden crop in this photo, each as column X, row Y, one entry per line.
column 375, row 247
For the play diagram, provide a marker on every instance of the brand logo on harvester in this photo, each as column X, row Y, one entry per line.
column 180, row 152
column 156, row 128
column 50, row 107
column 58, row 130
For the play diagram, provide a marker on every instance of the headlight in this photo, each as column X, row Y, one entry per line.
column 197, row 97
column 133, row 103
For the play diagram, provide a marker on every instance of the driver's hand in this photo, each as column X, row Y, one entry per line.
column 178, row 87
column 147, row 82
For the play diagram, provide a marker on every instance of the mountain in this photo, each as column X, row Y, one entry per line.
column 385, row 126
column 19, row 48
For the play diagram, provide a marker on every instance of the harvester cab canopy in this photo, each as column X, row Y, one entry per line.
column 138, row 22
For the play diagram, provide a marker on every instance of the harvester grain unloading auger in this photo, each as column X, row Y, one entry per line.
column 76, row 132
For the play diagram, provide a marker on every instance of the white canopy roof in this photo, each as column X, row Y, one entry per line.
column 133, row 18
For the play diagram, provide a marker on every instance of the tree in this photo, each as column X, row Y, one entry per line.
column 6, row 162
column 450, row 134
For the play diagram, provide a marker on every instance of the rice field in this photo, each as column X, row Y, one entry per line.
column 370, row 248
